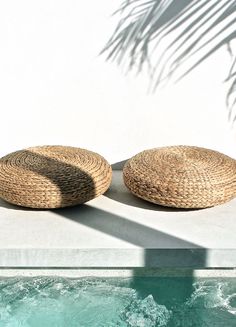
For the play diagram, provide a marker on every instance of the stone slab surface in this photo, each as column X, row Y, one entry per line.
column 118, row 230
column 118, row 272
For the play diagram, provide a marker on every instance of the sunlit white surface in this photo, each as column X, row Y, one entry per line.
column 118, row 230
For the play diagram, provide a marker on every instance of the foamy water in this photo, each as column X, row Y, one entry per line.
column 143, row 302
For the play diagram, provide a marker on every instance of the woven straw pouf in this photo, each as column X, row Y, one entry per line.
column 53, row 176
column 181, row 176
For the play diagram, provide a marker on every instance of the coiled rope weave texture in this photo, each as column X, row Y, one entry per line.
column 181, row 176
column 53, row 176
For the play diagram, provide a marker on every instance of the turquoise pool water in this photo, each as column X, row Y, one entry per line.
column 112, row 302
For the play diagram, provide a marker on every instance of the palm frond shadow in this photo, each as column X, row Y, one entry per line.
column 170, row 38
column 231, row 95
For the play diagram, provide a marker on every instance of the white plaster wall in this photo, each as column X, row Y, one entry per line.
column 55, row 89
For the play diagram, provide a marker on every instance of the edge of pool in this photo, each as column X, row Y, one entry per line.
column 120, row 273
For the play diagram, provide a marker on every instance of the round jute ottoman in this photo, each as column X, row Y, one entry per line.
column 181, row 176
column 53, row 176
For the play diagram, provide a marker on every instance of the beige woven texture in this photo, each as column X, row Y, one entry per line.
column 182, row 177
column 53, row 176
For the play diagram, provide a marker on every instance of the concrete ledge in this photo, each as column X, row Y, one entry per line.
column 118, row 258
column 120, row 273
column 118, row 230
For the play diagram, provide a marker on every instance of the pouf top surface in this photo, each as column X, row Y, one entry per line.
column 53, row 176
column 182, row 176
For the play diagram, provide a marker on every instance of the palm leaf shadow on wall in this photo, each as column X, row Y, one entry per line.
column 170, row 38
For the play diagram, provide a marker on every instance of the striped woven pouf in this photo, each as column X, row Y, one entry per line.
column 53, row 176
column 181, row 176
